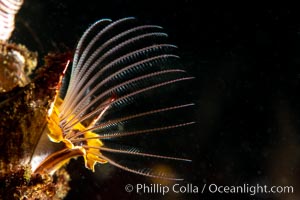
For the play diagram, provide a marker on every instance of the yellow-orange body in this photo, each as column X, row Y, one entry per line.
column 62, row 157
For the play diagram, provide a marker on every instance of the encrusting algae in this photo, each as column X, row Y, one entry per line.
column 23, row 117
column 15, row 66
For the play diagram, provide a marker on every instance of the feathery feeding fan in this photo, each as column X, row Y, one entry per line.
column 117, row 65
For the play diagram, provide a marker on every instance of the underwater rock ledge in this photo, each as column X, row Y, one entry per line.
column 23, row 117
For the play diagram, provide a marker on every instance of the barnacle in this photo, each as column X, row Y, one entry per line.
column 24, row 104
column 120, row 79
column 23, row 119
column 115, row 65
column 8, row 10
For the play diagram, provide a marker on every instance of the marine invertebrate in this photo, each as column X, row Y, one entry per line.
column 120, row 78
column 23, row 116
column 115, row 65
column 8, row 10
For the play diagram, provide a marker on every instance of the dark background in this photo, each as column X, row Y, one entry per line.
column 247, row 67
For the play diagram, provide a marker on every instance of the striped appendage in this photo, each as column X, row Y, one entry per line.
column 116, row 66
column 8, row 10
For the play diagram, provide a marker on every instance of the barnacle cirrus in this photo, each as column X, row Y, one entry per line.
column 116, row 64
